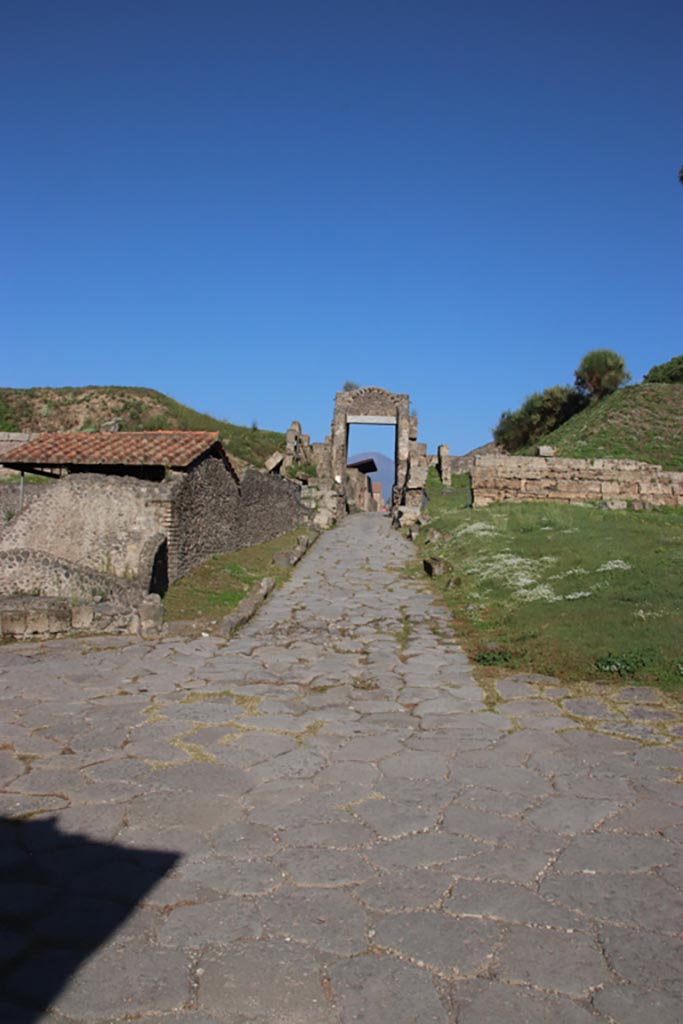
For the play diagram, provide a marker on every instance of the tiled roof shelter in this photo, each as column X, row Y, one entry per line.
column 115, row 452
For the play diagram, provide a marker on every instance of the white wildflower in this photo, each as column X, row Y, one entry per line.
column 479, row 528
column 577, row 594
column 569, row 572
column 616, row 563
column 540, row 593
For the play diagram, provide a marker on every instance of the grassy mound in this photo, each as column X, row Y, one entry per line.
column 644, row 422
column 87, row 408
column 577, row 592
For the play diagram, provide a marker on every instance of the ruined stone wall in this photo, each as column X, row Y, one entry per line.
column 9, row 500
column 465, row 463
column 95, row 521
column 270, row 505
column 613, row 481
column 199, row 513
column 37, row 574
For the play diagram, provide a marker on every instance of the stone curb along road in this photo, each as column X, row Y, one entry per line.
column 321, row 820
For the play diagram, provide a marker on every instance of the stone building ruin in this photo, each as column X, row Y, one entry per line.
column 128, row 514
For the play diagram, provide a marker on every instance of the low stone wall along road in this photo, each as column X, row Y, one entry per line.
column 325, row 821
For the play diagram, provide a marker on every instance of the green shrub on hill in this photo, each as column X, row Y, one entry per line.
column 666, row 373
column 538, row 415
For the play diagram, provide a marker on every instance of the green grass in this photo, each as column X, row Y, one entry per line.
column 644, row 422
column 212, row 589
column 578, row 592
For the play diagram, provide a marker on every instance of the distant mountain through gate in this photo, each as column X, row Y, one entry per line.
column 385, row 470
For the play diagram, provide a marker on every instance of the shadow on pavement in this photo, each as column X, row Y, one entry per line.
column 61, row 896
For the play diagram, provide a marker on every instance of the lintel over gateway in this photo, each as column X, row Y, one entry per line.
column 390, row 420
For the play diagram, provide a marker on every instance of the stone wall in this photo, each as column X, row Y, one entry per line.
column 616, row 482
column 30, row 618
column 96, row 538
column 270, row 505
column 9, row 500
column 465, row 463
column 98, row 522
column 35, row 573
column 199, row 513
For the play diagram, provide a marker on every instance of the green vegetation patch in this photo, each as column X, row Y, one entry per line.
column 578, row 592
column 216, row 586
column 87, row 408
column 644, row 422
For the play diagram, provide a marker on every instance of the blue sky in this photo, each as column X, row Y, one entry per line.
column 244, row 204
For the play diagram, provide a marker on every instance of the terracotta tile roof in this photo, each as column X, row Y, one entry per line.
column 170, row 448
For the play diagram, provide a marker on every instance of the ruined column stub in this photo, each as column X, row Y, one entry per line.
column 444, row 465
column 371, row 405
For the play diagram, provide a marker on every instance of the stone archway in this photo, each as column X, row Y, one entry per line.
column 374, row 405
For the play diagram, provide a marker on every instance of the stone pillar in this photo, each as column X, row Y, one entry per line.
column 444, row 465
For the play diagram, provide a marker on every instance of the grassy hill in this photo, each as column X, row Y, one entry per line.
column 643, row 422
column 88, row 408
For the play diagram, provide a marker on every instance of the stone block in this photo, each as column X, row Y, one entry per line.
column 151, row 614
column 82, row 616
column 545, row 451
column 59, row 618
column 37, row 621
column 13, row 622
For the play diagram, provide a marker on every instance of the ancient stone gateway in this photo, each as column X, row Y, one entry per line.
column 375, row 405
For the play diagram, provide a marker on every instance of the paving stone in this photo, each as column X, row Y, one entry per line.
column 244, row 841
column 326, row 920
column 470, row 821
column 262, row 982
column 423, row 850
column 588, row 707
column 629, row 1005
column 217, row 923
column 391, row 819
column 502, row 901
column 556, row 961
column 162, row 810
column 411, row 764
column 216, row 779
column 569, row 815
column 324, row 867
column 452, row 946
column 610, row 853
column 238, row 877
column 645, row 902
column 645, row 958
column 410, row 889
column 373, row 988
column 490, row 1002
column 107, row 986
column 335, row 835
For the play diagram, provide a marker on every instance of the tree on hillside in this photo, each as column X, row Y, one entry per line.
column 350, row 385
column 665, row 373
column 538, row 415
column 600, row 372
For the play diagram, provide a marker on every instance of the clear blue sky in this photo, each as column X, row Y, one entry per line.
column 245, row 203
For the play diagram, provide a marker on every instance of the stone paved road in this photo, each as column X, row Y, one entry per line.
column 321, row 821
